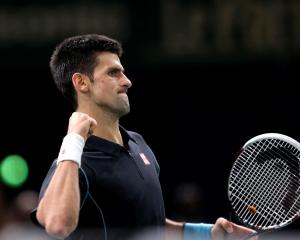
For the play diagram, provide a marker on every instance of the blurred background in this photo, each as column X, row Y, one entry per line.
column 207, row 76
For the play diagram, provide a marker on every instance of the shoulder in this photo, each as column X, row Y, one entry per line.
column 137, row 137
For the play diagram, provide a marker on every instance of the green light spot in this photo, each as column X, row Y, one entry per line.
column 14, row 170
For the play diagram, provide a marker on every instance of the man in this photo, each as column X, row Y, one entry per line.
column 105, row 181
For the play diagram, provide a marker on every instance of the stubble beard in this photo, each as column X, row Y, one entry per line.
column 124, row 110
column 118, row 111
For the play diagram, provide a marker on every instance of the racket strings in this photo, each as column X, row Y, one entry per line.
column 263, row 216
column 243, row 166
column 290, row 167
column 247, row 159
column 293, row 167
column 280, row 196
column 259, row 194
column 274, row 197
column 245, row 193
column 276, row 180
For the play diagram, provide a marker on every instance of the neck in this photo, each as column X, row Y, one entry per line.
column 107, row 126
column 109, row 131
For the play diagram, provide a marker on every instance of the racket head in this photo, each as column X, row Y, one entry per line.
column 264, row 182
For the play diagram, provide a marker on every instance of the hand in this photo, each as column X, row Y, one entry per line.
column 224, row 229
column 82, row 124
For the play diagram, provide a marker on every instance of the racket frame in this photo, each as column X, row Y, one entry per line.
column 264, row 136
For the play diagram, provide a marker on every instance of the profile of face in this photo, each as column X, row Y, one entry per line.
column 109, row 85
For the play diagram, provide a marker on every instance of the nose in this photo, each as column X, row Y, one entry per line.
column 125, row 81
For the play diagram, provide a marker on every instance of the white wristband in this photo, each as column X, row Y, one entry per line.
column 71, row 148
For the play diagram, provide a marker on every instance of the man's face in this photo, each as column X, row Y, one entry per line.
column 109, row 86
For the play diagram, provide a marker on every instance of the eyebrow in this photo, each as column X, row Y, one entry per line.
column 116, row 68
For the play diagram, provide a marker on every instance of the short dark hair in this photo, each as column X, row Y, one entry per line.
column 78, row 54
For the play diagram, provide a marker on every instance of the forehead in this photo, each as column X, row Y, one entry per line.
column 108, row 60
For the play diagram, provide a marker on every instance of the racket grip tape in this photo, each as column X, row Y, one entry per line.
column 192, row 231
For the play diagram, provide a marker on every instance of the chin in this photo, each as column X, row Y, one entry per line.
column 124, row 111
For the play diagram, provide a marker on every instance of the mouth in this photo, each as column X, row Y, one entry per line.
column 123, row 95
column 123, row 91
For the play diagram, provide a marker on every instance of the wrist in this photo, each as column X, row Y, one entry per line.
column 192, row 231
column 71, row 148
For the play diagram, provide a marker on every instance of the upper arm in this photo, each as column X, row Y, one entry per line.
column 33, row 214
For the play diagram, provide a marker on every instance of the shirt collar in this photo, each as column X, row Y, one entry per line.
column 94, row 143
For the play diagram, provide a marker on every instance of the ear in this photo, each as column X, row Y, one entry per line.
column 80, row 82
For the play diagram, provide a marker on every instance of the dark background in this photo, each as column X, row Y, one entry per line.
column 207, row 76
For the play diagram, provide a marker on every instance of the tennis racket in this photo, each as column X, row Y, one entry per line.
column 264, row 183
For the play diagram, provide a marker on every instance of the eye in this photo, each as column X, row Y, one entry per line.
column 114, row 72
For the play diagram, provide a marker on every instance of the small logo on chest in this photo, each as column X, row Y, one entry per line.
column 145, row 159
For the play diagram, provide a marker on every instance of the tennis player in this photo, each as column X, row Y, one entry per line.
column 104, row 183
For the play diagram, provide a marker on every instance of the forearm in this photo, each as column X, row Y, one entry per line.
column 187, row 230
column 221, row 229
column 58, row 210
column 174, row 230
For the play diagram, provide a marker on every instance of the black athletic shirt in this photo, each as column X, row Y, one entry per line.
column 120, row 190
